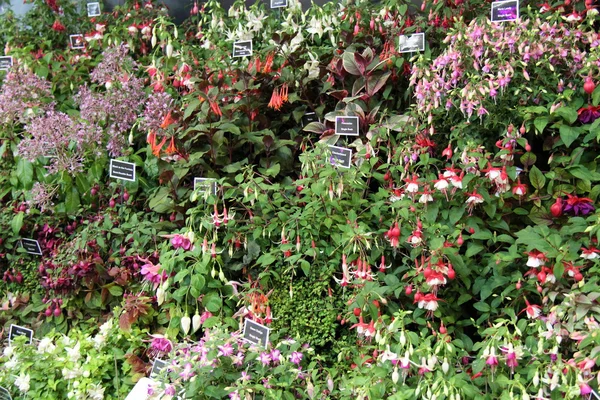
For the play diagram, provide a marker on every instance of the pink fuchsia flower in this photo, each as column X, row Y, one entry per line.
column 226, row 350
column 161, row 344
column 296, row 357
column 535, row 259
column 238, row 359
column 170, row 390
column 276, row 356
column 245, row 376
column 533, row 311
column 181, row 242
column 187, row 372
column 234, row 396
column 345, row 273
column 512, row 355
column 265, row 359
column 584, row 389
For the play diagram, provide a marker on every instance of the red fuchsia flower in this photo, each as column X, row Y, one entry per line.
column 363, row 270
column 412, row 185
column 520, row 189
column 572, row 271
column 58, row 26
column 545, row 8
column 589, row 114
column 427, row 301
column 473, row 199
column 533, row 311
column 578, row 205
column 393, row 235
column 434, row 278
column 426, row 196
column 536, row 259
column 590, row 253
column 416, row 238
column 441, row 184
column 447, row 152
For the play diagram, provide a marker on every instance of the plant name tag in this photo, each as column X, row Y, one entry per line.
column 279, row 3
column 503, row 11
column 157, row 366
column 308, row 118
column 16, row 331
column 31, row 246
column 242, row 48
column 77, row 41
column 6, row 62
column 203, row 185
column 256, row 333
column 346, row 126
column 412, row 43
column 341, row 156
column 122, row 170
column 140, row 390
column 93, row 9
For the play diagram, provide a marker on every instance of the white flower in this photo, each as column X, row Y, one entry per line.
column 99, row 341
column 312, row 67
column 95, row 392
column 71, row 373
column 8, row 351
column 22, row 382
column 255, row 21
column 315, row 27
column 106, row 327
column 46, row 346
column 12, row 363
column 73, row 353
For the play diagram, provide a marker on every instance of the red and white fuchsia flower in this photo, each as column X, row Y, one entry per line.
column 590, row 253
column 536, row 259
column 473, row 199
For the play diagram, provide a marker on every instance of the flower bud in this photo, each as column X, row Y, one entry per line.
column 160, row 296
column 445, row 366
column 536, row 379
column 196, row 322
column 169, row 50
column 395, row 375
column 330, row 383
column 185, row 324
column 153, row 41
column 130, row 138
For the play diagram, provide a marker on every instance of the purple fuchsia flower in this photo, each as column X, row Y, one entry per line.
column 170, row 390
column 181, row 242
column 578, row 205
column 588, row 114
column 276, row 356
column 238, row 359
column 245, row 376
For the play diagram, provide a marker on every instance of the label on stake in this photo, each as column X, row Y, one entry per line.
column 93, row 9
column 157, row 366
column 203, row 185
column 279, row 3
column 16, row 331
column 346, row 126
column 122, row 170
column 341, row 156
column 256, row 333
column 308, row 118
column 412, row 43
column 31, row 246
column 242, row 48
column 505, row 11
column 6, row 62
column 76, row 41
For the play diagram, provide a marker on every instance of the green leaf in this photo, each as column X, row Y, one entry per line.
column 537, row 178
column 161, row 201
column 266, row 259
column 212, row 302
column 569, row 134
column 191, row 108
column 25, row 172
column 17, row 222
column 197, row 285
column 115, row 290
column 567, row 113
column 540, row 123
column 72, row 201
column 350, row 64
column 315, row 127
column 483, row 307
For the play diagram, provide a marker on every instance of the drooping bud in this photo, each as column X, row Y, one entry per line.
column 196, row 322
column 185, row 324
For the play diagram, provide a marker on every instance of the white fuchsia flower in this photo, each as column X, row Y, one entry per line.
column 22, row 382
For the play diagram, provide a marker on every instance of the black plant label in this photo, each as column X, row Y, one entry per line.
column 16, row 331
column 256, row 333
column 242, row 48
column 31, row 246
column 122, row 170
column 345, row 125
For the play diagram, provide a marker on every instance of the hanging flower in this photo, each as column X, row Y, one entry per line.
column 535, row 259
column 578, row 205
column 589, row 114
column 473, row 199
column 590, row 253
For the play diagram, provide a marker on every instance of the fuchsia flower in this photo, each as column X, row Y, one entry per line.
column 187, row 372
column 296, row 357
column 533, row 311
column 412, row 185
column 589, row 114
column 345, row 273
column 265, row 359
column 473, row 199
column 181, row 242
column 578, row 205
column 161, row 344
column 536, row 259
column 590, row 254
column 226, row 350
column 512, row 355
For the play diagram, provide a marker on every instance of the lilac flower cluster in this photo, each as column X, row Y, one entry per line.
column 41, row 196
column 117, row 108
column 483, row 58
column 114, row 66
column 157, row 108
column 57, row 136
column 23, row 96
